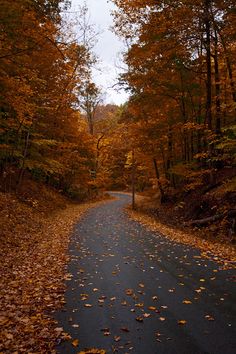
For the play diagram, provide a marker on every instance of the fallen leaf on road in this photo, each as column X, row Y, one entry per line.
column 152, row 308
column 182, row 322
column 75, row 343
column 146, row 315
column 139, row 319
column 116, row 338
column 75, row 325
column 187, row 302
column 124, row 329
column 129, row 292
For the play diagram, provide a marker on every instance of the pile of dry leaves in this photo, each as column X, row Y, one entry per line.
column 33, row 257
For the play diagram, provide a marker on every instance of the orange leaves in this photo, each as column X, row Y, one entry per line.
column 75, row 343
column 187, row 302
column 129, row 292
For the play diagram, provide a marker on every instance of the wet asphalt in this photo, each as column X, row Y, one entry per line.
column 131, row 290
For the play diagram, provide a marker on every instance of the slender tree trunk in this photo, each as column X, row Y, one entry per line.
column 217, row 87
column 158, row 180
column 22, row 170
column 208, row 117
column 133, row 181
column 164, row 161
column 170, row 146
column 228, row 62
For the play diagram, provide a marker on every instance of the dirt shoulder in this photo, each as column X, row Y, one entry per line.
column 219, row 251
column 34, row 248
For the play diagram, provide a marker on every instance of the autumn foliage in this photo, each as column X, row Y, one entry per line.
column 42, row 69
column 181, row 77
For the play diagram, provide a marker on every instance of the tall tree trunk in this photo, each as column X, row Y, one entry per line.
column 217, row 87
column 133, row 180
column 228, row 62
column 208, row 117
column 169, row 151
column 22, row 170
column 158, row 181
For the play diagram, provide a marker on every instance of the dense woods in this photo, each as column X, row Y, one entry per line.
column 44, row 69
column 174, row 137
column 61, row 143
column 181, row 114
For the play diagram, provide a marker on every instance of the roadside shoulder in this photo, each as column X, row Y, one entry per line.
column 222, row 253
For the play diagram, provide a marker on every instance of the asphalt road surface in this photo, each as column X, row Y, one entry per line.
column 134, row 291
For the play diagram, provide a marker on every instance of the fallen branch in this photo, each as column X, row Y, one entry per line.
column 230, row 214
column 206, row 221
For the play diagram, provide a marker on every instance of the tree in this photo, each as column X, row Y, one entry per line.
column 178, row 76
column 40, row 123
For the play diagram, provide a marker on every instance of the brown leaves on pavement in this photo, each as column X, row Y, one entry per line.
column 33, row 255
column 223, row 254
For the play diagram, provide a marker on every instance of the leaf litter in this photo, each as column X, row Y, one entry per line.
column 33, row 258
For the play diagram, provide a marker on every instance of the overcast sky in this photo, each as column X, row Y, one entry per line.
column 108, row 48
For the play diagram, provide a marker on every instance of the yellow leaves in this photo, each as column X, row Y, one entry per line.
column 152, row 308
column 182, row 322
column 187, row 302
column 209, row 318
column 75, row 343
column 139, row 319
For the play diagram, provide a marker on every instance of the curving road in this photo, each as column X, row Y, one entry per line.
column 135, row 291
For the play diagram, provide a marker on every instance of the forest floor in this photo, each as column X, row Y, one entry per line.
column 34, row 236
column 193, row 210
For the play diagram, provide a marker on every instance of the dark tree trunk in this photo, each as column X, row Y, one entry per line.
column 217, row 85
column 208, row 117
column 158, row 181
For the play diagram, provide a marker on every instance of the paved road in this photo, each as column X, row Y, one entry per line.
column 131, row 287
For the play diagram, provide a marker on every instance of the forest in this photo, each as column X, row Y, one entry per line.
column 173, row 143
column 176, row 133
